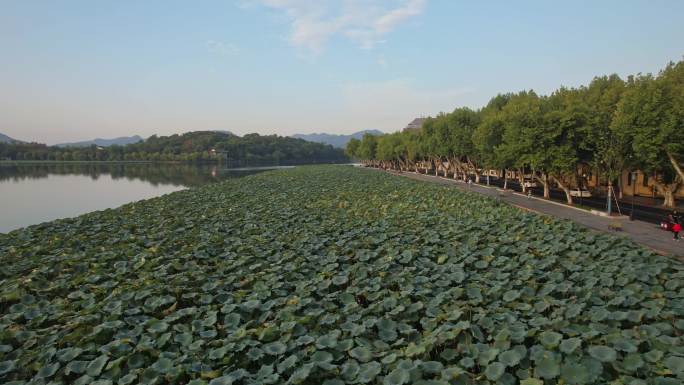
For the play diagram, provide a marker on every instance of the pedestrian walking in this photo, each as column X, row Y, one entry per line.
column 676, row 228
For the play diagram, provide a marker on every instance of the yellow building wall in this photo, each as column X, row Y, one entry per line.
column 639, row 188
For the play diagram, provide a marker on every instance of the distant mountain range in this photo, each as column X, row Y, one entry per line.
column 339, row 141
column 6, row 139
column 104, row 142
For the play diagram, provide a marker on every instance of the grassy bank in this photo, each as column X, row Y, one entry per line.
column 333, row 275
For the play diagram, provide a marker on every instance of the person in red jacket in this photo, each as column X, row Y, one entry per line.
column 676, row 228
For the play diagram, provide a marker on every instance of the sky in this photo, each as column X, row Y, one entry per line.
column 80, row 69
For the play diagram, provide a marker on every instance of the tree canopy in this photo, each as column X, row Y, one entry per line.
column 610, row 125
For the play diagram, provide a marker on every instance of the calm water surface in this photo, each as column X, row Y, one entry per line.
column 36, row 193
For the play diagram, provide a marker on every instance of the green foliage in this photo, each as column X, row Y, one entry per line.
column 609, row 126
column 188, row 147
column 331, row 275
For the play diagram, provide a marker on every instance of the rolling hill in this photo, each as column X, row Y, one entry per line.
column 121, row 141
column 339, row 141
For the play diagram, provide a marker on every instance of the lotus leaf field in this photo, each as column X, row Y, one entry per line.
column 333, row 275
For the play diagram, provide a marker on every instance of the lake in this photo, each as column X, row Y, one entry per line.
column 40, row 192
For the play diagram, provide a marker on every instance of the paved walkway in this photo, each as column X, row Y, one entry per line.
column 644, row 233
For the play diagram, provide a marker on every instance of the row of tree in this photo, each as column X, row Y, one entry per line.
column 609, row 126
column 198, row 146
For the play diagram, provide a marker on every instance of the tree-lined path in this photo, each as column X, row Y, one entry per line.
column 643, row 233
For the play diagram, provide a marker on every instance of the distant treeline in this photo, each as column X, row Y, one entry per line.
column 199, row 146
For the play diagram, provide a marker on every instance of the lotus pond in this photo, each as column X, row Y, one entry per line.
column 333, row 275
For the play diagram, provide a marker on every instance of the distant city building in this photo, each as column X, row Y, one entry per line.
column 415, row 125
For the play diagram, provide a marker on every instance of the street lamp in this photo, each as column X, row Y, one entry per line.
column 581, row 192
column 631, row 214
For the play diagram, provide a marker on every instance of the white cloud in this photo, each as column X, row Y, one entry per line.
column 366, row 22
column 221, row 48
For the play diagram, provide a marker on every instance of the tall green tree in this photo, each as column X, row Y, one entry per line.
column 647, row 114
column 488, row 136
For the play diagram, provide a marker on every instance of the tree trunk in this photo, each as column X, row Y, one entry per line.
column 544, row 180
column 676, row 166
column 547, row 194
column 563, row 187
column 668, row 191
column 620, row 187
column 505, row 179
column 521, row 180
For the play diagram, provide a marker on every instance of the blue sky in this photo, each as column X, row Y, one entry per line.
column 78, row 69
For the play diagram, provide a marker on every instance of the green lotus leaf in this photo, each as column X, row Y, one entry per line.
column 550, row 339
column 431, row 366
column 547, row 368
column 632, row 362
column 467, row 362
column 48, row 371
column 7, row 366
column 136, row 361
column 301, row 374
column 232, row 320
column 414, row 350
column 223, row 380
column 83, row 380
column 218, row 353
column 251, row 305
column 511, row 295
column 129, row 378
column 162, row 365
column 569, row 345
column 287, row 363
column 197, row 381
column 368, row 372
column 653, row 356
column 158, row 327
column 361, row 353
column 321, row 356
column 494, row 371
column 305, row 340
column 675, row 364
column 95, row 366
column 602, row 353
column 275, row 348
column 574, row 374
column 68, row 354
column 397, row 377
column 78, row 367
column 451, row 373
column 625, row 345
column 510, row 357
column 326, row 342
column 184, row 339
column 102, row 382
column 6, row 348
column 208, row 334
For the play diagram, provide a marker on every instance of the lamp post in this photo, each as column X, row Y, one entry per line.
column 581, row 188
column 631, row 214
